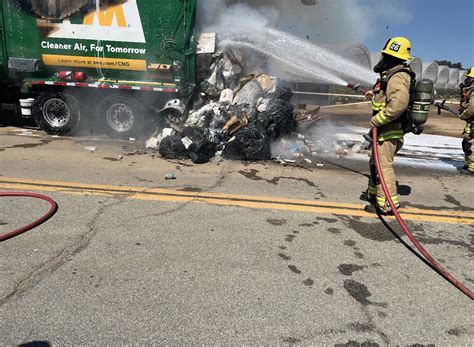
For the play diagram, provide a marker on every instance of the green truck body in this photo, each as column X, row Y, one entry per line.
column 59, row 45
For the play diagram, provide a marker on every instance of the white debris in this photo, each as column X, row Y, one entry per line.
column 25, row 132
column 262, row 104
column 91, row 149
column 227, row 96
column 186, row 142
column 218, row 157
column 356, row 148
column 154, row 141
column 201, row 118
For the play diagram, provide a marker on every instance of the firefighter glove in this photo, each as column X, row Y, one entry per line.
column 374, row 123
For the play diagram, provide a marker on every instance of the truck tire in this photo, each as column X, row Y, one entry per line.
column 56, row 113
column 122, row 117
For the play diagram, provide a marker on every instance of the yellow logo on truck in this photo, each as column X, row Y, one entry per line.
column 106, row 17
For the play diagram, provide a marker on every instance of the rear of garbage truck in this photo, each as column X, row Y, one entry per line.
column 110, row 64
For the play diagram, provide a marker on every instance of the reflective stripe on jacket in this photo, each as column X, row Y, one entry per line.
column 391, row 101
column 467, row 107
column 467, row 112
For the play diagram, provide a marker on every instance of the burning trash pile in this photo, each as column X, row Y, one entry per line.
column 228, row 116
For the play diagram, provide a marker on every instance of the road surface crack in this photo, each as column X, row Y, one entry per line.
column 54, row 263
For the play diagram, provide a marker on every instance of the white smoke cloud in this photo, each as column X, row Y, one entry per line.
column 221, row 16
column 248, row 25
column 329, row 21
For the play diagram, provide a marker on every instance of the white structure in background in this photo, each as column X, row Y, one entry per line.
column 355, row 52
column 416, row 64
column 443, row 77
column 462, row 76
column 453, row 81
column 430, row 71
column 417, row 67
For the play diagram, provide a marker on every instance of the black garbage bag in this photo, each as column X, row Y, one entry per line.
column 282, row 91
column 248, row 144
column 172, row 147
column 199, row 147
column 219, row 137
column 277, row 120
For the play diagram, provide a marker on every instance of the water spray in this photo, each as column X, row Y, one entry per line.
column 292, row 51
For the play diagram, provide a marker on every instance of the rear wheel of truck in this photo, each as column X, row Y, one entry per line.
column 56, row 113
column 122, row 117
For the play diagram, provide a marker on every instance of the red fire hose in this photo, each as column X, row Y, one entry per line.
column 52, row 211
column 407, row 231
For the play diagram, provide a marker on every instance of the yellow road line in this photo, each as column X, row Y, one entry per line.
column 257, row 202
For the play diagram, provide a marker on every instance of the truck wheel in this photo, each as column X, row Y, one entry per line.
column 56, row 113
column 122, row 117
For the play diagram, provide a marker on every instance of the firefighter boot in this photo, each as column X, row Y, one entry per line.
column 379, row 210
column 466, row 171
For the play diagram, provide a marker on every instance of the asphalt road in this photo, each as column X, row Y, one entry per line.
column 229, row 253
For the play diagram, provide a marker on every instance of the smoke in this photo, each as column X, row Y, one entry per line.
column 296, row 52
column 328, row 138
column 217, row 16
column 328, row 21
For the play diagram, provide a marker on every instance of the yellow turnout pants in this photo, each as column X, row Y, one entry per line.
column 387, row 150
column 468, row 149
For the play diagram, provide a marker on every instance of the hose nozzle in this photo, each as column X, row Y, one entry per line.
column 355, row 87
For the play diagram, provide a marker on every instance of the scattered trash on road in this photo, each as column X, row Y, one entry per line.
column 91, row 149
column 241, row 115
column 155, row 140
column 171, row 176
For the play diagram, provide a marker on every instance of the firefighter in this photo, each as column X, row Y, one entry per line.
column 467, row 114
column 390, row 101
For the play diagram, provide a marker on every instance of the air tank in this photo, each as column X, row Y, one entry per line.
column 421, row 102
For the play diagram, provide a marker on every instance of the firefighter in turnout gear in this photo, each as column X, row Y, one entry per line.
column 390, row 103
column 467, row 114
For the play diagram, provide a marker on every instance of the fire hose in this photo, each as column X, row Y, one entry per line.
column 405, row 228
column 440, row 104
column 52, row 211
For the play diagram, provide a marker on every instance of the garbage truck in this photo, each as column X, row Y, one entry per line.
column 107, row 63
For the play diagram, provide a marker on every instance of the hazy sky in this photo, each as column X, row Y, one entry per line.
column 438, row 29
